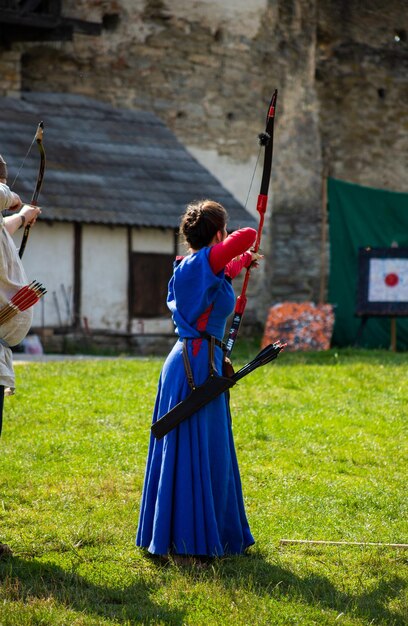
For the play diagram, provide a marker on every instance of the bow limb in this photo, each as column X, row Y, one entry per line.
column 40, row 176
column 266, row 140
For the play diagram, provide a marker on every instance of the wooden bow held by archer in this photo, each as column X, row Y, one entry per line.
column 40, row 176
column 266, row 140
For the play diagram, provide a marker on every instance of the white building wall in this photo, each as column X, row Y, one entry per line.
column 104, row 295
column 48, row 258
column 153, row 240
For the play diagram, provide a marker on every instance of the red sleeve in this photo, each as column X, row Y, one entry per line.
column 234, row 267
column 234, row 245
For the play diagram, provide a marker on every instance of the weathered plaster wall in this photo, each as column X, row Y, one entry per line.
column 208, row 68
column 104, row 270
column 49, row 258
column 152, row 240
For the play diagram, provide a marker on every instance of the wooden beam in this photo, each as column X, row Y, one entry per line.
column 176, row 242
column 130, row 280
column 77, row 275
column 48, row 22
column 81, row 26
column 37, row 20
column 28, row 6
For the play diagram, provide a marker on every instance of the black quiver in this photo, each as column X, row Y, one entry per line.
column 214, row 386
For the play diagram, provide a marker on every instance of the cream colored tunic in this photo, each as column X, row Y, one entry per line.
column 12, row 278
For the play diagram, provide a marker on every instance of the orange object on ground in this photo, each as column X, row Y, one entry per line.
column 303, row 325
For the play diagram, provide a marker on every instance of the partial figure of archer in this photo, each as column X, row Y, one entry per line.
column 14, row 327
column 192, row 506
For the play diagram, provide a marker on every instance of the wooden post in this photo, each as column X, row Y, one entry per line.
column 77, row 289
column 323, row 242
column 393, row 345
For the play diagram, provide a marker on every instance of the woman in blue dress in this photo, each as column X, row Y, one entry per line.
column 192, row 504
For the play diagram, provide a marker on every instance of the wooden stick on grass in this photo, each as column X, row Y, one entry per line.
column 341, row 543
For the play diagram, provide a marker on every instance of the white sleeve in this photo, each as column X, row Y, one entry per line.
column 6, row 197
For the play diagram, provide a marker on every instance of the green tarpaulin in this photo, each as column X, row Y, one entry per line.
column 359, row 217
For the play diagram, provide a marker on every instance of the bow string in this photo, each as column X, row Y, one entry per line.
column 266, row 141
column 40, row 177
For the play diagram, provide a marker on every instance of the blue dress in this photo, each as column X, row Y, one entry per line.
column 192, row 497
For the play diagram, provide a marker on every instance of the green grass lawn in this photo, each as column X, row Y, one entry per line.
column 322, row 445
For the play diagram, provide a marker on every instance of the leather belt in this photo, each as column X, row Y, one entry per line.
column 208, row 337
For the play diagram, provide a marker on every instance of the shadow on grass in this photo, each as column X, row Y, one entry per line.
column 274, row 580
column 30, row 579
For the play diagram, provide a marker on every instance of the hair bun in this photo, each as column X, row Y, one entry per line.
column 201, row 221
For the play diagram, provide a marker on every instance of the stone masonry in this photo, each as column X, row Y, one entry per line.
column 208, row 68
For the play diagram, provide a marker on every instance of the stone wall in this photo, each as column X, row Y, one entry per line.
column 10, row 72
column 362, row 81
column 208, row 68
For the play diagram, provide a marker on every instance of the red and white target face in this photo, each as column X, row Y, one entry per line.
column 388, row 280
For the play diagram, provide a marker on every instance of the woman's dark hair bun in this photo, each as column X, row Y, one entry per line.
column 201, row 222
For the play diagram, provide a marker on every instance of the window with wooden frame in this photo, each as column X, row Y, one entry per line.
column 150, row 274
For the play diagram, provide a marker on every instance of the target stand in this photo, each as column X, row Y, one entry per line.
column 382, row 289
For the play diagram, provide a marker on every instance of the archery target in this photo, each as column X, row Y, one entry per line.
column 382, row 282
column 388, row 280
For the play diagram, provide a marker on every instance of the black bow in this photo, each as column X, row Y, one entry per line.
column 265, row 140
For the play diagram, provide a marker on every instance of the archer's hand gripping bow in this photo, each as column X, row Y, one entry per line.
column 266, row 140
